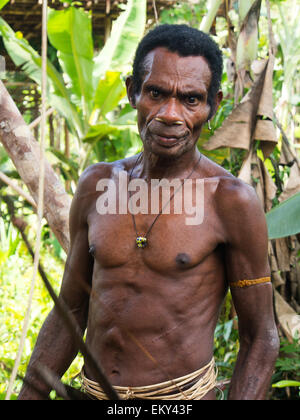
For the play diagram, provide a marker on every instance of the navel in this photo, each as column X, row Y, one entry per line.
column 182, row 260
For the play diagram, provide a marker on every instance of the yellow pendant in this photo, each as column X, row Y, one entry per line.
column 141, row 242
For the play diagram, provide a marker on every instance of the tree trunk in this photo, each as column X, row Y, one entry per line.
column 24, row 151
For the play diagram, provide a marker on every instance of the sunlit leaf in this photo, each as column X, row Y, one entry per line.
column 70, row 32
column 126, row 33
column 284, row 384
column 109, row 92
column 3, row 3
column 283, row 220
column 24, row 56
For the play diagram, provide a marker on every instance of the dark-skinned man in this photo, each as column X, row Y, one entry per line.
column 157, row 283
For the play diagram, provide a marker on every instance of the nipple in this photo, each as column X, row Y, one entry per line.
column 182, row 260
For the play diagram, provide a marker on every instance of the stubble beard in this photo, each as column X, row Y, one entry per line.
column 167, row 155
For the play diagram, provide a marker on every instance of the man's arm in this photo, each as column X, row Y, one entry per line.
column 247, row 259
column 56, row 347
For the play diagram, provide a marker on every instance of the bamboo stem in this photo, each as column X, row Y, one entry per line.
column 208, row 20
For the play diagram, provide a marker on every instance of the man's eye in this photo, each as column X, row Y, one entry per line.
column 192, row 100
column 154, row 93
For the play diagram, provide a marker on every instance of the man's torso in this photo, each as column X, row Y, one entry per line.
column 153, row 311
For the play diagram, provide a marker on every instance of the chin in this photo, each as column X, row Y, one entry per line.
column 169, row 153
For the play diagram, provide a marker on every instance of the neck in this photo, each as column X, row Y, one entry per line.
column 158, row 167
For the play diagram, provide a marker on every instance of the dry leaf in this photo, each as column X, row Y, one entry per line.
column 288, row 318
column 293, row 184
column 265, row 130
column 238, row 128
column 270, row 188
column 266, row 133
column 265, row 108
column 287, row 155
column 276, row 277
column 245, row 172
column 283, row 254
column 257, row 179
column 235, row 131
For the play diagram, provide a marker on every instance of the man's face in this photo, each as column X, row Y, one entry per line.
column 172, row 105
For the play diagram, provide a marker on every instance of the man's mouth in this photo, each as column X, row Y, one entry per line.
column 167, row 141
column 167, row 136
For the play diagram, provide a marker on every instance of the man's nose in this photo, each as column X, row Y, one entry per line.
column 170, row 113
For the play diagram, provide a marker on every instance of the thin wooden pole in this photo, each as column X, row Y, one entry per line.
column 155, row 11
column 40, row 210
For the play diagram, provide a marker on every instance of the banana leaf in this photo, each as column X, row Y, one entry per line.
column 67, row 165
column 99, row 131
column 3, row 3
column 109, row 93
column 284, row 219
column 70, row 32
column 30, row 61
column 126, row 33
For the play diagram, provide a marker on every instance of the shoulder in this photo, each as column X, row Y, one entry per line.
column 231, row 192
column 103, row 170
column 235, row 194
column 238, row 206
column 86, row 191
column 236, row 203
column 91, row 175
column 240, row 211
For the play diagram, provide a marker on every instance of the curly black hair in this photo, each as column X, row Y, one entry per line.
column 185, row 41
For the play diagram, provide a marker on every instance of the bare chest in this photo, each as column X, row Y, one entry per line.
column 174, row 241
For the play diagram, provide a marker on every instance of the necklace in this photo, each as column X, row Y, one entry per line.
column 142, row 241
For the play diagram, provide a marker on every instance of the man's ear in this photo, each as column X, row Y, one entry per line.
column 130, row 91
column 218, row 100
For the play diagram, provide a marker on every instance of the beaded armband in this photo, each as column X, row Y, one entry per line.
column 245, row 283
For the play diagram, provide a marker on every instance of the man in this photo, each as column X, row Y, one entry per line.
column 157, row 283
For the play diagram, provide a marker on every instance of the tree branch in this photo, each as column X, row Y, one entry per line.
column 24, row 151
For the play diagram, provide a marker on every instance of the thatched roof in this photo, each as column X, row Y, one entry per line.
column 25, row 15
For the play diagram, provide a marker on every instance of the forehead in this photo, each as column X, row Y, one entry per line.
column 168, row 67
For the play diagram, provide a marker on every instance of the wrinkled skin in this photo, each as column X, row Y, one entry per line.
column 152, row 312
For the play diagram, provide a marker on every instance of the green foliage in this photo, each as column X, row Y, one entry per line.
column 285, row 381
column 86, row 86
column 226, row 347
column 29, row 60
column 119, row 50
column 184, row 12
column 285, row 384
column 15, row 277
column 70, row 32
column 226, row 342
column 283, row 220
column 109, row 93
column 90, row 91
column 3, row 3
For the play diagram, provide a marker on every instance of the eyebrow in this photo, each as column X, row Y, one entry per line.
column 183, row 94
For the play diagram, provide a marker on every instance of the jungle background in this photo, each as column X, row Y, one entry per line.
column 255, row 135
